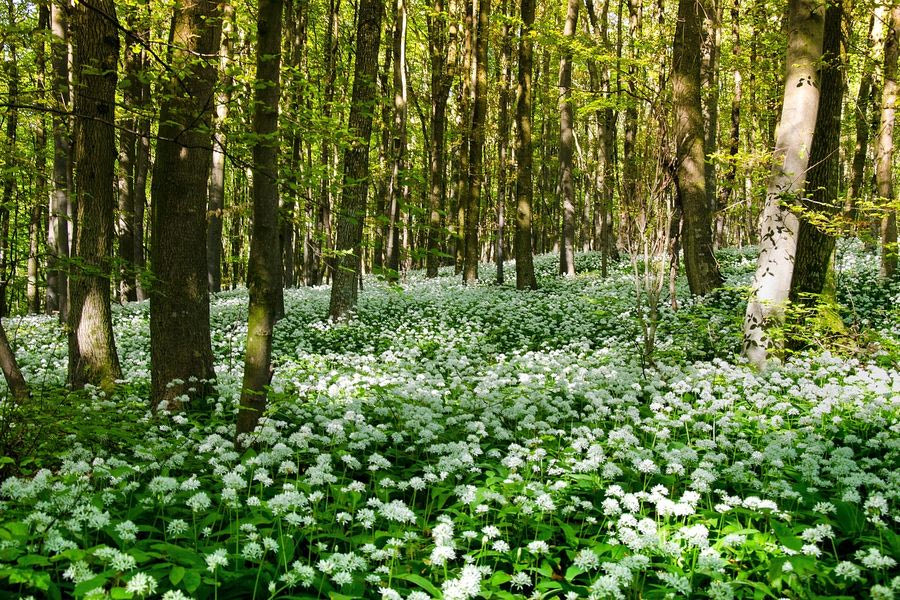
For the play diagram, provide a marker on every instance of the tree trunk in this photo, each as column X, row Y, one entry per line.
column 217, row 172
column 180, row 348
column 127, row 149
column 815, row 243
column 141, row 168
column 463, row 172
column 729, row 190
column 344, row 288
column 525, row 279
column 771, row 283
column 505, row 81
column 398, row 188
column 440, row 90
column 40, row 147
column 691, row 175
column 58, row 228
column 476, row 146
column 11, row 372
column 884, row 155
column 567, row 144
column 264, row 270
column 92, row 350
column 709, row 21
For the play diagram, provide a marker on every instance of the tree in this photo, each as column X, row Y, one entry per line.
column 398, row 190
column 567, row 144
column 92, row 350
column 693, row 184
column 524, row 154
column 58, row 225
column 15, row 381
column 778, row 242
column 345, row 282
column 815, row 243
column 180, row 346
column 264, row 271
column 476, row 145
column 440, row 90
column 884, row 154
column 217, row 174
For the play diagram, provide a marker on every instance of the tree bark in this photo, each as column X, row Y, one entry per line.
column 771, row 283
column 884, row 155
column 440, row 90
column 11, row 372
column 476, row 146
column 344, row 288
column 505, row 82
column 729, row 190
column 525, row 279
column 92, row 350
column 127, row 154
column 567, row 144
column 864, row 98
column 815, row 243
column 58, row 227
column 398, row 188
column 264, row 270
column 691, row 172
column 217, row 173
column 180, row 347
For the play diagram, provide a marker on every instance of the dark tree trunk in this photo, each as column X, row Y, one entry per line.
column 40, row 148
column 699, row 262
column 344, row 288
column 476, row 146
column 815, row 243
column 885, row 155
column 567, row 144
column 141, row 168
column 180, row 347
column 92, row 350
column 525, row 279
column 264, row 270
column 127, row 153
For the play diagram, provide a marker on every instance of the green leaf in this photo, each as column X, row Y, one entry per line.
column 421, row 582
column 191, row 581
column 176, row 574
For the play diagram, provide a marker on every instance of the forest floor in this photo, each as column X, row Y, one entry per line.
column 472, row 442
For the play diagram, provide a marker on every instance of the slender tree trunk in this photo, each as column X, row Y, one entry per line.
column 440, row 90
column 344, row 288
column 525, row 279
column 40, row 149
column 323, row 223
column 815, row 243
column 11, row 372
column 11, row 167
column 217, row 173
column 771, row 283
column 505, row 80
column 884, row 155
column 465, row 133
column 264, row 271
column 180, row 346
column 58, row 228
column 692, row 175
column 141, row 168
column 710, row 25
column 398, row 143
column 92, row 350
column 729, row 190
column 296, row 19
column 476, row 146
column 127, row 153
column 567, row 144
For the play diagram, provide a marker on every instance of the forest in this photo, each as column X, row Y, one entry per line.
column 452, row 299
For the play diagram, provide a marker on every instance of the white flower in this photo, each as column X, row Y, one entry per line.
column 218, row 558
column 141, row 584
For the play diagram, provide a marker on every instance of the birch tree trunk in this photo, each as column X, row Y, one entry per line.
column 778, row 232
column 567, row 144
